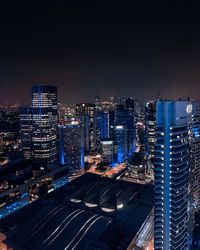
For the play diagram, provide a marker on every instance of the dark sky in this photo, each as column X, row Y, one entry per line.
column 88, row 48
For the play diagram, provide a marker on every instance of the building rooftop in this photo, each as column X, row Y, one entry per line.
column 88, row 213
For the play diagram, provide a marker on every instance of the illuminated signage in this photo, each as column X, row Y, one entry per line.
column 189, row 108
column 119, row 127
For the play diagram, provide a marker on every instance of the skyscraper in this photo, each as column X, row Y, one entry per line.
column 45, row 117
column 196, row 152
column 172, row 175
column 102, row 121
column 26, row 130
column 120, row 139
column 87, row 114
column 150, row 126
column 107, row 150
column 71, row 145
column 125, row 117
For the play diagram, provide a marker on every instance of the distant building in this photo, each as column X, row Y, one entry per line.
column 71, row 146
column 125, row 117
column 102, row 121
column 45, row 117
column 87, row 114
column 26, row 130
column 120, row 139
column 107, row 150
column 173, row 210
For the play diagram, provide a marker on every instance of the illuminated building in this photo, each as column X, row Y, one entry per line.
column 107, row 151
column 71, row 146
column 196, row 152
column 26, row 130
column 173, row 212
column 131, row 125
column 120, row 139
column 23, row 182
column 125, row 118
column 102, row 121
column 150, row 120
column 87, row 114
column 45, row 116
column 111, row 123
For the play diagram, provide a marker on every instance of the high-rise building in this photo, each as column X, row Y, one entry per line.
column 107, row 150
column 87, row 114
column 172, row 175
column 26, row 130
column 196, row 152
column 125, row 117
column 120, row 140
column 71, row 146
column 45, row 117
column 150, row 126
column 102, row 121
column 111, row 123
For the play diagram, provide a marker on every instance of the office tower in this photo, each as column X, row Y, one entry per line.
column 111, row 123
column 107, row 150
column 45, row 116
column 102, row 121
column 120, row 140
column 87, row 114
column 150, row 125
column 131, row 124
column 126, row 117
column 172, row 175
column 71, row 145
column 26, row 130
column 196, row 152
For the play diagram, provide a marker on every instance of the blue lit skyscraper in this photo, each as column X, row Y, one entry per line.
column 45, row 117
column 120, row 138
column 102, row 121
column 172, row 175
column 125, row 118
column 196, row 152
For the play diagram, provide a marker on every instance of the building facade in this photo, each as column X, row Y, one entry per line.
column 26, row 130
column 196, row 152
column 45, row 117
column 173, row 212
column 150, row 127
column 107, row 151
column 87, row 114
column 71, row 146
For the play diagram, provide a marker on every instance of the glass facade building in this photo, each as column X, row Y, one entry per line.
column 150, row 126
column 196, row 152
column 45, row 117
column 71, row 146
column 173, row 212
column 87, row 114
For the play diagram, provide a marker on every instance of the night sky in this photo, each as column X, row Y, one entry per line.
column 106, row 48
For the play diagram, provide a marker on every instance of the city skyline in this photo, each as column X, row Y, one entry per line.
column 102, row 48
